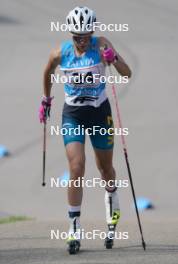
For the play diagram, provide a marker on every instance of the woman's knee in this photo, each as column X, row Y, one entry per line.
column 77, row 167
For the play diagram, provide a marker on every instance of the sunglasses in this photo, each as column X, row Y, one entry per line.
column 79, row 39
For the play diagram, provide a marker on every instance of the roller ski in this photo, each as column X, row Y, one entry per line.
column 112, row 216
column 73, row 246
column 109, row 241
column 73, row 240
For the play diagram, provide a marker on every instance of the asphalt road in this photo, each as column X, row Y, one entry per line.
column 149, row 110
column 31, row 243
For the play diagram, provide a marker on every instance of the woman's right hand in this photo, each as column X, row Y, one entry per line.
column 44, row 110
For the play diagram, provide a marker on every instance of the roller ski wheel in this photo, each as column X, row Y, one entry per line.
column 109, row 240
column 73, row 247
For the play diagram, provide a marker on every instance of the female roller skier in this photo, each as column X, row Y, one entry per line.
column 86, row 103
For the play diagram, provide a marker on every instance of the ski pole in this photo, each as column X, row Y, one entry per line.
column 44, row 154
column 126, row 159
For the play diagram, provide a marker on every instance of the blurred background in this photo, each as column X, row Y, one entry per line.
column 148, row 108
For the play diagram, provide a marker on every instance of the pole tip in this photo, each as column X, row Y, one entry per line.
column 144, row 245
column 43, row 184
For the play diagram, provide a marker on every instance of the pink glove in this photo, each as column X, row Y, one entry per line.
column 45, row 107
column 109, row 55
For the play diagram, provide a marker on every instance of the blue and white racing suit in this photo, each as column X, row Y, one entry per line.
column 86, row 103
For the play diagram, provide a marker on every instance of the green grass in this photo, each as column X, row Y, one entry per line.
column 13, row 219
